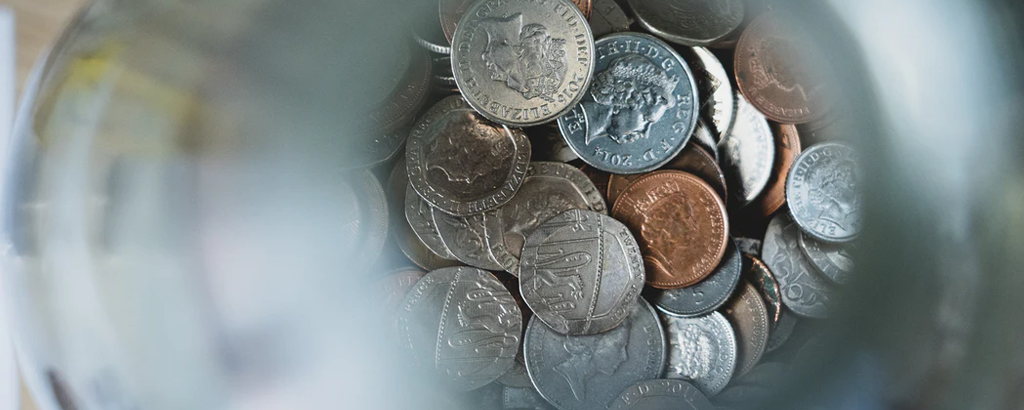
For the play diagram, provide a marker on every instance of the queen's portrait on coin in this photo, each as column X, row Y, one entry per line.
column 524, row 57
column 628, row 97
column 592, row 355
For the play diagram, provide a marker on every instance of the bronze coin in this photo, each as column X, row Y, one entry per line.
column 777, row 71
column 758, row 274
column 584, row 6
column 787, row 148
column 679, row 222
column 693, row 159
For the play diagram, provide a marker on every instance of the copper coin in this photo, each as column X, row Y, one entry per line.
column 757, row 273
column 776, row 69
column 584, row 6
column 680, row 223
column 693, row 159
column 787, row 148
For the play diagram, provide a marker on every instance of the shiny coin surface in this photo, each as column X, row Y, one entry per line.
column 749, row 317
column 465, row 237
column 708, row 294
column 777, row 69
column 680, row 224
column 701, row 349
column 747, row 154
column 638, row 131
column 717, row 97
column 757, row 273
column 689, row 22
column 523, row 62
column 401, row 231
column 787, row 148
column 420, row 216
column 463, row 164
column 832, row 260
column 589, row 372
column 693, row 159
column 462, row 324
column 804, row 291
column 581, row 272
column 823, row 191
column 548, row 145
column 703, row 138
column 607, row 18
column 549, row 189
column 782, row 331
column 662, row 395
column 363, row 211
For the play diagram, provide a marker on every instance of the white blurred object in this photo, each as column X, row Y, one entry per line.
column 8, row 374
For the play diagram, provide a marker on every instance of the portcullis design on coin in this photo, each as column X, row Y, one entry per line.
column 640, row 130
column 823, row 192
column 701, row 349
column 523, row 62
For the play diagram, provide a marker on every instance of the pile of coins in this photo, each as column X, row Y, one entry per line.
column 594, row 214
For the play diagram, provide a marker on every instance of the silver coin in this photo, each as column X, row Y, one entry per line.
column 549, row 189
column 662, row 394
column 717, row 97
column 464, row 237
column 702, row 136
column 461, row 324
column 702, row 350
column 782, row 331
column 548, row 144
column 589, row 372
column 639, row 131
column 689, row 22
column 516, row 376
column 431, row 46
column 823, row 192
column 748, row 153
column 363, row 210
column 707, row 295
column 462, row 163
column 523, row 62
column 497, row 397
column 607, row 17
column 749, row 246
column 401, row 231
column 581, row 272
column 832, row 260
column 744, row 396
column 421, row 219
column 804, row 292
column 749, row 317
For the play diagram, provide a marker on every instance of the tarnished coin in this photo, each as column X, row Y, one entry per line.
column 749, row 317
column 420, row 216
column 548, row 145
column 401, row 231
column 782, row 331
column 749, row 246
column 363, row 211
column 662, row 394
column 689, row 22
column 462, row 324
column 708, row 294
column 607, row 18
column 680, row 224
column 717, row 97
column 464, row 164
column 589, row 372
column 640, row 130
column 693, row 159
column 823, row 191
column 523, row 62
column 747, row 153
column 703, row 350
column 804, row 292
column 778, row 68
column 787, row 147
column 549, row 189
column 757, row 274
column 833, row 260
column 465, row 237
column 581, row 272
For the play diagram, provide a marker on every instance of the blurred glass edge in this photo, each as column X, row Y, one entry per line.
column 9, row 388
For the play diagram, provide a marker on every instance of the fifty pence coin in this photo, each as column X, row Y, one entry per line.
column 804, row 292
column 581, row 272
column 757, row 274
column 523, row 62
column 749, row 316
column 462, row 324
column 640, row 130
column 401, row 231
column 462, row 163
column 787, row 148
column 701, row 349
column 708, row 294
column 661, row 395
column 549, row 189
column 823, row 191
column 589, row 372
column 717, row 97
column 832, row 260
column 689, row 22
column 680, row 223
column 747, row 153
column 464, row 236
column 608, row 18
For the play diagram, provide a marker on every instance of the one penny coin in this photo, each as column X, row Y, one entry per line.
column 693, row 159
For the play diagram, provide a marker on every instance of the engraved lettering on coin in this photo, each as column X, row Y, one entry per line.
column 524, row 57
column 689, row 22
column 824, row 192
column 749, row 316
column 804, row 292
column 748, row 153
column 662, row 395
column 701, row 349
column 708, row 294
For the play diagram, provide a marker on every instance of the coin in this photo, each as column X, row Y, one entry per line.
column 693, row 159
column 804, row 292
column 787, row 147
column 598, row 177
column 742, row 396
column 758, row 274
column 708, row 294
column 589, row 372
column 549, row 189
column 639, row 131
column 462, row 324
column 581, row 272
column 548, row 145
column 400, row 106
column 703, row 138
column 497, row 397
column 401, row 231
column 749, row 246
column 782, row 330
column 465, row 237
column 680, row 224
column 394, row 285
column 749, row 316
column 585, row 7
column 364, row 217
column 607, row 18
column 523, row 62
column 464, row 164
column 689, row 22
column 660, row 395
column 451, row 12
column 701, row 349
column 747, row 153
column 832, row 260
column 823, row 191
column 420, row 216
column 778, row 69
column 717, row 97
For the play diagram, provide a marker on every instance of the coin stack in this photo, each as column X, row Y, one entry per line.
column 605, row 205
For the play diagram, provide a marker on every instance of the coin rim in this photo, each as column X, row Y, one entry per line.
column 678, row 38
column 804, row 226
